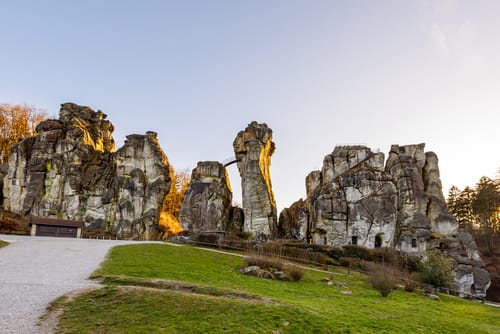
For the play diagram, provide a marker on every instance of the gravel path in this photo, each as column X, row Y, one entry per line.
column 36, row 270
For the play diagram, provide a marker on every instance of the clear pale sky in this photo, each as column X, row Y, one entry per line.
column 319, row 73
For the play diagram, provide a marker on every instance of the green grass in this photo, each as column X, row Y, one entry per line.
column 3, row 243
column 221, row 300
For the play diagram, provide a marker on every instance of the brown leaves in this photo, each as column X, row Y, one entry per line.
column 17, row 122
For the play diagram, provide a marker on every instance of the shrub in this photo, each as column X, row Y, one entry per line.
column 294, row 250
column 294, row 273
column 273, row 266
column 359, row 252
column 385, row 255
column 411, row 282
column 238, row 244
column 383, row 279
column 335, row 253
column 244, row 235
column 263, row 262
column 212, row 239
column 410, row 263
column 274, row 249
column 437, row 270
column 354, row 263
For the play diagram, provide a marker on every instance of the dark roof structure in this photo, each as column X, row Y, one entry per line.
column 55, row 222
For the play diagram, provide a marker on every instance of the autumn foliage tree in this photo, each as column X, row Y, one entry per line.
column 478, row 210
column 169, row 217
column 17, row 122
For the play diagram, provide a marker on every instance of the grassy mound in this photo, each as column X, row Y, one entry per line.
column 165, row 289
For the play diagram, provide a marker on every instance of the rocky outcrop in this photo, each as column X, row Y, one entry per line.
column 253, row 148
column 206, row 206
column 70, row 170
column 294, row 221
column 4, row 169
column 356, row 199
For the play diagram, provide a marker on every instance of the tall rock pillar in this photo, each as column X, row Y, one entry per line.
column 254, row 147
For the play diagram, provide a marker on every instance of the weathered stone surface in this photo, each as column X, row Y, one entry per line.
column 294, row 221
column 352, row 196
column 206, row 206
column 70, row 171
column 4, row 169
column 356, row 199
column 254, row 147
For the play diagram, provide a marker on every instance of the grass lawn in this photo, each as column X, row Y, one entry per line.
column 3, row 243
column 166, row 289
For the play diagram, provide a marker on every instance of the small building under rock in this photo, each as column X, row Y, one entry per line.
column 52, row 227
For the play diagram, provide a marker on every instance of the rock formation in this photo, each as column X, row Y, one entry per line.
column 71, row 171
column 206, row 206
column 4, row 169
column 355, row 199
column 253, row 148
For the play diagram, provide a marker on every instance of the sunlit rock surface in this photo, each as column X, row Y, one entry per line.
column 254, row 148
column 206, row 206
column 70, row 170
column 357, row 199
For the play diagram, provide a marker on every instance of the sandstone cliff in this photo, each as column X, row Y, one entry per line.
column 70, row 170
column 206, row 206
column 253, row 148
column 356, row 199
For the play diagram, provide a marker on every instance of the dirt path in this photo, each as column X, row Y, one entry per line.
column 36, row 270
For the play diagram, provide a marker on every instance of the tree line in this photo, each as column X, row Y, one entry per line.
column 17, row 122
column 477, row 210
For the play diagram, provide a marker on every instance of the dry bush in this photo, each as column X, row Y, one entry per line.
column 294, row 250
column 244, row 235
column 211, row 239
column 356, row 251
column 289, row 273
column 272, row 248
column 354, row 263
column 263, row 262
column 237, row 244
column 295, row 274
column 385, row 255
column 383, row 278
column 411, row 282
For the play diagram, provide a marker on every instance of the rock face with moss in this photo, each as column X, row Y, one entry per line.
column 357, row 199
column 70, row 170
column 206, row 206
column 253, row 148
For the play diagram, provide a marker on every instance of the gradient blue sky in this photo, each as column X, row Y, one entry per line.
column 319, row 73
